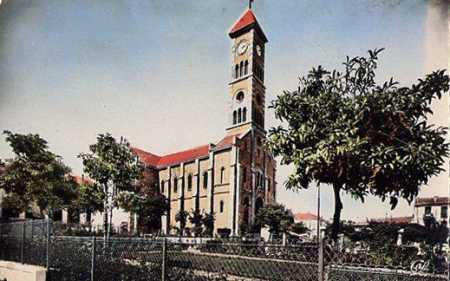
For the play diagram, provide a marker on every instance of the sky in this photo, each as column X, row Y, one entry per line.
column 156, row 71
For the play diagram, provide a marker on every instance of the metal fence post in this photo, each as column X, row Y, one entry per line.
column 93, row 259
column 22, row 243
column 47, row 245
column 321, row 259
column 163, row 262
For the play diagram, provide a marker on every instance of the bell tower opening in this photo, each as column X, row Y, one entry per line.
column 247, row 90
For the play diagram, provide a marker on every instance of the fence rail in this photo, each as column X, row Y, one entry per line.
column 71, row 258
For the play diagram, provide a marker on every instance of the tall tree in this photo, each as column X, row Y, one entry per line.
column 35, row 177
column 113, row 166
column 359, row 136
column 275, row 217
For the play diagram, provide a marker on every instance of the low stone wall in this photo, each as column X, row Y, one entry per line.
column 12, row 271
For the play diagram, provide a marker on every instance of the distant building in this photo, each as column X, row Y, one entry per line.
column 392, row 220
column 436, row 206
column 310, row 221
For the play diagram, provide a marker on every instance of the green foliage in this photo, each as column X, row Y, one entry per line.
column 182, row 217
column 113, row 162
column 299, row 228
column 90, row 197
column 276, row 217
column 113, row 166
column 208, row 224
column 195, row 218
column 35, row 177
column 344, row 129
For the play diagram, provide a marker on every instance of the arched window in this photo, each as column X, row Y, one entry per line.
column 241, row 68
column 222, row 174
column 240, row 96
column 162, row 186
column 205, row 180
column 239, row 115
column 234, row 117
column 189, row 182
column 221, row 206
column 175, row 185
column 244, row 114
column 246, row 67
column 236, row 71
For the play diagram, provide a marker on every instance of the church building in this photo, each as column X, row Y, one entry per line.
column 234, row 177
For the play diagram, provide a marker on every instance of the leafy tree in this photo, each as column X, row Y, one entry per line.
column 35, row 177
column 299, row 228
column 208, row 224
column 148, row 207
column 181, row 217
column 360, row 137
column 275, row 217
column 195, row 218
column 114, row 167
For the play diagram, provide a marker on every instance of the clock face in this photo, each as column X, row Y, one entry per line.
column 242, row 47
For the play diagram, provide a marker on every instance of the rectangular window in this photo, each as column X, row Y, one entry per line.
column 428, row 210
column 444, row 212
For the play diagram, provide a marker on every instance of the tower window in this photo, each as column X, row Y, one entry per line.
column 244, row 114
column 236, row 71
column 241, row 68
column 240, row 96
column 222, row 174
column 246, row 67
column 175, row 185
column 221, row 206
column 205, row 180
column 234, row 117
column 244, row 174
column 239, row 115
column 162, row 186
column 189, row 182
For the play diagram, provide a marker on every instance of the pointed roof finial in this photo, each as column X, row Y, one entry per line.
column 250, row 2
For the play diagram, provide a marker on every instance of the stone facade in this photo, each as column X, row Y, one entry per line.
column 235, row 176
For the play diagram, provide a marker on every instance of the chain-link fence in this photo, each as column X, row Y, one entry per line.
column 70, row 258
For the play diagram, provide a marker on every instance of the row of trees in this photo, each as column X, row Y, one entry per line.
column 37, row 179
column 340, row 128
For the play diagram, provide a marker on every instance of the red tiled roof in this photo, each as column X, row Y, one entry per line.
column 432, row 201
column 182, row 156
column 247, row 20
column 146, row 157
column 306, row 217
column 81, row 180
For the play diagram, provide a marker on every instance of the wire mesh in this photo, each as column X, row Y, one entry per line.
column 72, row 258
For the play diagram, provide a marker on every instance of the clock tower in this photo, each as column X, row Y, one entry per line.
column 247, row 90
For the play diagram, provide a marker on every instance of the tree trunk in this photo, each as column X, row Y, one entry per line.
column 105, row 214
column 335, row 228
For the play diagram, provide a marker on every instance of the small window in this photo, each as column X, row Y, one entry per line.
column 241, row 68
column 239, row 115
column 234, row 117
column 236, row 71
column 244, row 114
column 162, row 186
column 221, row 206
column 205, row 180
column 240, row 96
column 428, row 210
column 246, row 67
column 444, row 212
column 244, row 174
column 189, row 182
column 268, row 185
column 222, row 174
column 175, row 185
